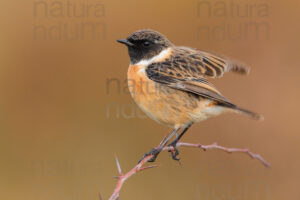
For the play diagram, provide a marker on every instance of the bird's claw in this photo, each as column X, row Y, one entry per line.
column 154, row 152
column 174, row 151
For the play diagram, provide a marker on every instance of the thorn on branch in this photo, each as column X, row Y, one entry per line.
column 119, row 167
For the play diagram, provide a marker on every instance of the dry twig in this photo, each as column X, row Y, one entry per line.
column 140, row 167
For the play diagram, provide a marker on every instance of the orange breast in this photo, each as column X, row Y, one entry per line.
column 136, row 80
column 139, row 85
column 157, row 102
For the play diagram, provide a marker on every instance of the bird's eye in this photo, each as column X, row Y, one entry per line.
column 146, row 43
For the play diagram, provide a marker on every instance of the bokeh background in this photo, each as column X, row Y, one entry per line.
column 62, row 120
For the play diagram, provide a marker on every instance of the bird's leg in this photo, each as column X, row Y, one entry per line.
column 155, row 151
column 174, row 151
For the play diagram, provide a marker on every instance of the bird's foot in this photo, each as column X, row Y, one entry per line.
column 154, row 152
column 174, row 151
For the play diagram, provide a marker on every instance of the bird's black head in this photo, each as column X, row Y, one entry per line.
column 145, row 44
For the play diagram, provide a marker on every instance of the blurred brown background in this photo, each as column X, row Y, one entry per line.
column 62, row 124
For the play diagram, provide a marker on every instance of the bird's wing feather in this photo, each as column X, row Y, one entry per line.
column 188, row 69
column 206, row 64
column 160, row 73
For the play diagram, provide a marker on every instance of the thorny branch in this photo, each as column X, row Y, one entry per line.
column 140, row 167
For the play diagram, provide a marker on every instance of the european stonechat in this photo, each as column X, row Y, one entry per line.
column 170, row 83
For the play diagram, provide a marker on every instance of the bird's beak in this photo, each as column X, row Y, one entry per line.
column 125, row 41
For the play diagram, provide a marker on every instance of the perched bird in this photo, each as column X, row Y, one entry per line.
column 170, row 83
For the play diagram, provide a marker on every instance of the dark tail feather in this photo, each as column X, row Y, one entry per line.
column 251, row 114
column 243, row 111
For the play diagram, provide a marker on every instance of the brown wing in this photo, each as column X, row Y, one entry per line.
column 165, row 73
column 200, row 63
column 187, row 70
